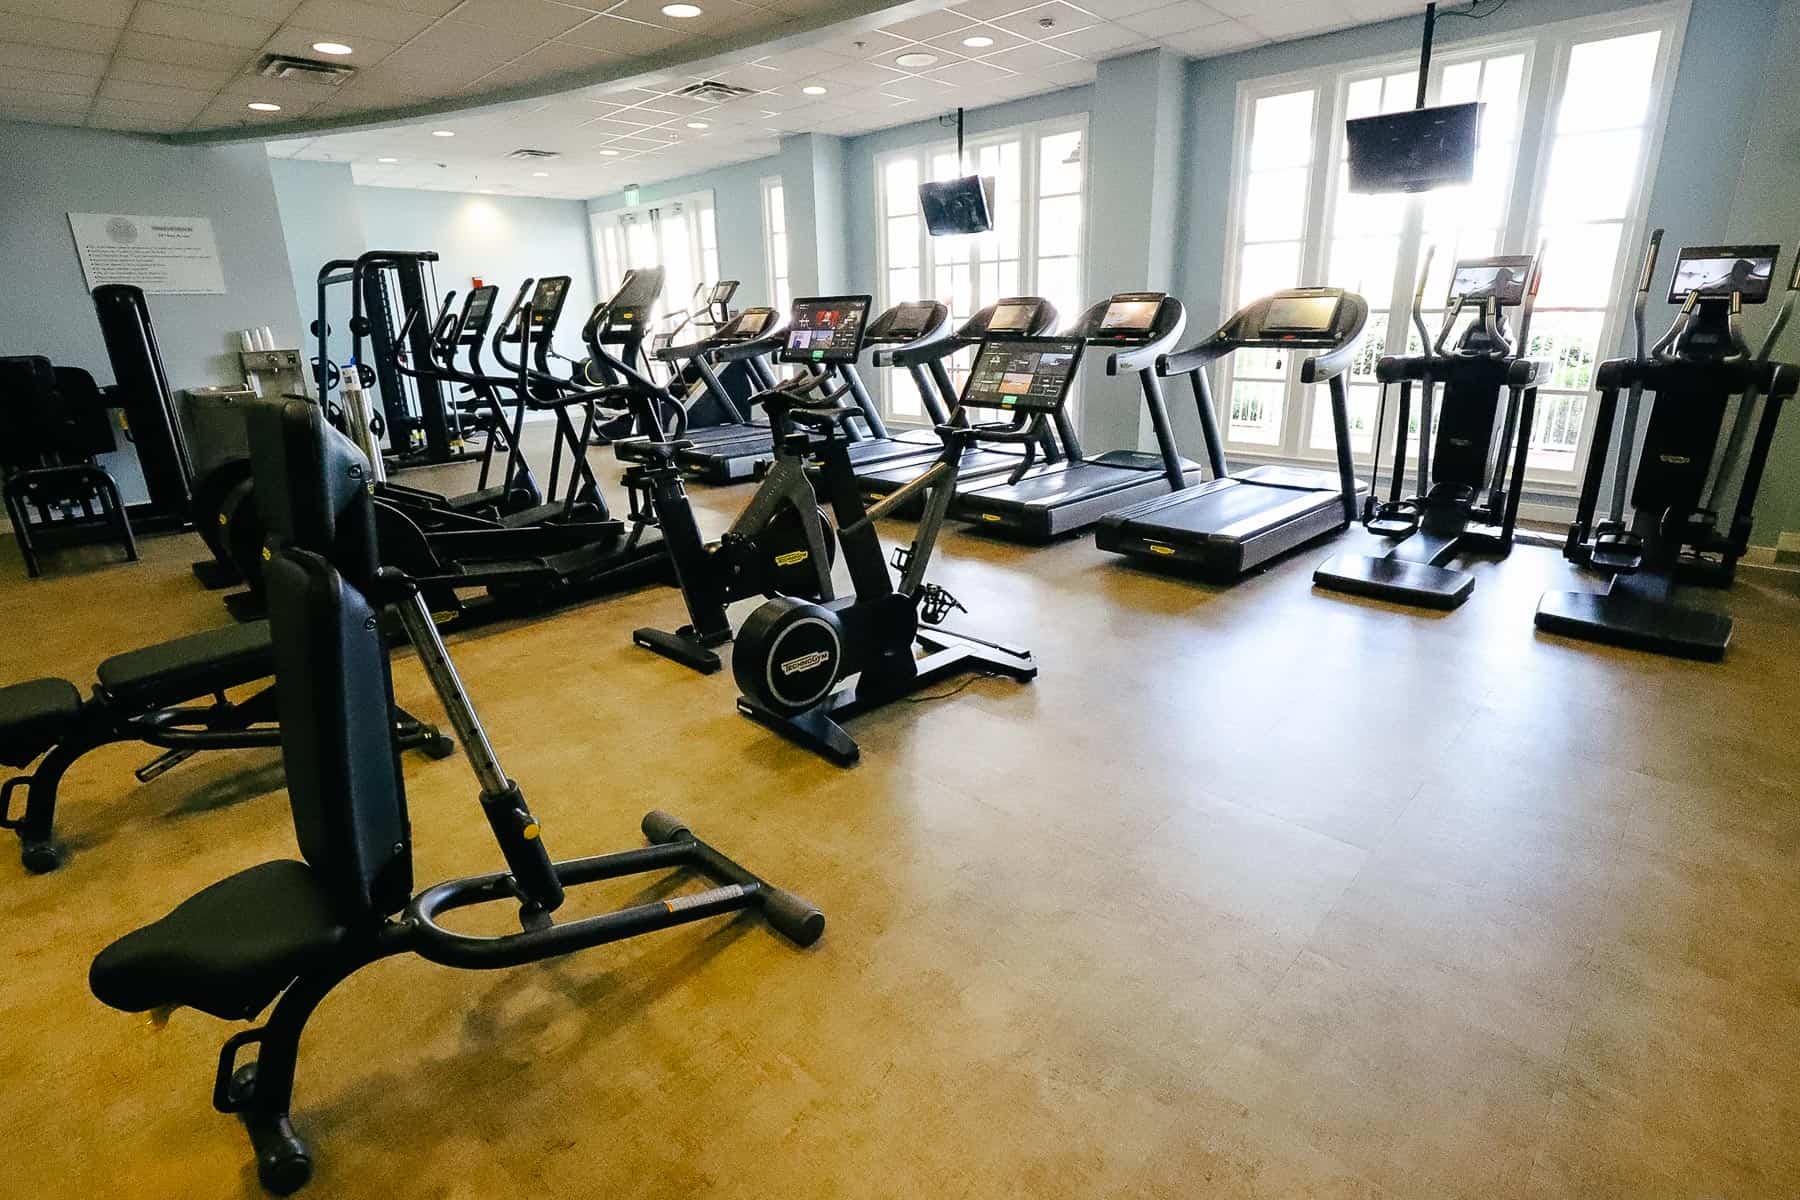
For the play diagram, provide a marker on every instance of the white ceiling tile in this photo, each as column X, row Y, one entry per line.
column 353, row 20
column 109, row 13
column 150, row 47
column 550, row 59
column 1112, row 10
column 458, row 42
column 1173, row 18
column 863, row 76
column 918, row 87
column 1299, row 18
column 154, row 93
column 48, row 58
column 623, row 37
column 524, row 18
column 198, row 25
column 1384, row 10
column 869, row 44
column 12, row 98
column 972, row 72
column 255, row 10
column 1063, row 18
column 299, row 39
column 1099, row 41
column 46, row 31
column 51, row 81
column 1215, row 39
column 928, row 25
column 1032, row 58
column 987, row 10
column 169, row 74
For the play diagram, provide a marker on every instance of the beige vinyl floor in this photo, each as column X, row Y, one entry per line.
column 1255, row 892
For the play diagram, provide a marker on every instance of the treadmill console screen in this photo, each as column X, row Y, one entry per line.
column 547, row 300
column 909, row 321
column 1301, row 314
column 826, row 329
column 1718, row 271
column 722, row 292
column 477, row 310
column 747, row 326
column 1023, row 375
column 1012, row 317
column 1130, row 313
column 1502, row 279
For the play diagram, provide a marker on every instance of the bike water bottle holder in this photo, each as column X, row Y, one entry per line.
column 935, row 604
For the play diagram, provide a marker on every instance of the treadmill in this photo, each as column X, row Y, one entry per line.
column 1039, row 501
column 1233, row 523
column 885, row 465
column 756, row 333
column 810, row 324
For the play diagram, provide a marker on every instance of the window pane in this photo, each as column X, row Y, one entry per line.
column 1059, row 282
column 1609, row 84
column 945, row 165
column 1571, row 343
column 901, row 186
column 1256, row 412
column 778, row 209
column 778, row 252
column 1267, row 268
column 1059, row 225
column 1275, row 205
column 1362, row 99
column 1059, row 164
column 1363, row 401
column 1578, row 266
column 903, row 286
column 1282, row 131
column 1500, row 84
column 1008, row 284
column 1591, row 177
column 1460, row 84
column 1365, row 266
column 903, row 241
column 1556, row 430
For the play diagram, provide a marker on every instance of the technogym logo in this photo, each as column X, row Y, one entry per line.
column 805, row 662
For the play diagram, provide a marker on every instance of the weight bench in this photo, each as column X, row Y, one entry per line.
column 171, row 695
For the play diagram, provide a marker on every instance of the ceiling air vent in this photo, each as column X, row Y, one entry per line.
column 714, row 93
column 312, row 70
column 525, row 154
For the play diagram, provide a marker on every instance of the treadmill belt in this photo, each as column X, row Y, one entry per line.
column 890, row 476
column 1057, row 484
column 1231, row 513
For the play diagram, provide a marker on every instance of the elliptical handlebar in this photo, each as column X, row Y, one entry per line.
column 506, row 322
column 1418, row 304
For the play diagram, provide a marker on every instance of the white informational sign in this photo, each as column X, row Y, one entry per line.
column 162, row 255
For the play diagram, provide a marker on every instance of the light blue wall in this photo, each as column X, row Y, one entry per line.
column 320, row 221
column 51, row 171
column 737, row 208
column 500, row 239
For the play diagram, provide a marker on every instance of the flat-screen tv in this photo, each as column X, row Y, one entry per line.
column 958, row 206
column 1413, row 151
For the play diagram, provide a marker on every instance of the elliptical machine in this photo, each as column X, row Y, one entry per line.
column 1692, row 375
column 792, row 654
column 1465, row 451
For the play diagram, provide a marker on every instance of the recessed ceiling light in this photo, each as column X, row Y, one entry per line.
column 387, row 160
column 540, row 174
column 331, row 48
column 681, row 11
column 814, row 90
column 916, row 59
column 262, row 106
column 443, row 133
column 698, row 125
column 610, row 153
column 978, row 42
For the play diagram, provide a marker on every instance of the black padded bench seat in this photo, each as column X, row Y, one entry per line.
column 189, row 667
column 33, row 716
column 228, row 950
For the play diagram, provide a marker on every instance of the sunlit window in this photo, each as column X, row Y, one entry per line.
column 775, row 244
column 679, row 235
column 1035, row 247
column 1600, row 88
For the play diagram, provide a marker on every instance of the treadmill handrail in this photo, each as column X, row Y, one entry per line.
column 886, row 356
column 1145, row 357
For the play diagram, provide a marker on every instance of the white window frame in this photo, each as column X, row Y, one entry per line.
column 1548, row 50
column 1029, row 135
column 609, row 230
column 777, row 280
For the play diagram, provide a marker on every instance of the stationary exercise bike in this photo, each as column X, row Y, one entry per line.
column 793, row 655
column 781, row 544
column 1474, row 446
column 1683, row 477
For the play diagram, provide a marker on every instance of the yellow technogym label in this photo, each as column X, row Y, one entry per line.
column 221, row 518
column 267, row 557
column 994, row 517
column 1167, row 551
column 791, row 558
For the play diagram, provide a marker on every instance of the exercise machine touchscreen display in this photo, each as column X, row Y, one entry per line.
column 478, row 309
column 1011, row 318
column 1129, row 314
column 1028, row 375
column 1501, row 279
column 826, row 329
column 1301, row 314
column 1718, row 271
column 749, row 324
column 547, row 299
